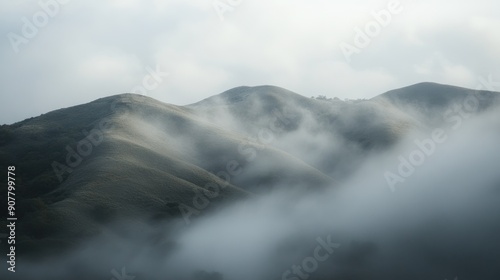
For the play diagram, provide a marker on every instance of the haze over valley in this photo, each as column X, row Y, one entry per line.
column 249, row 140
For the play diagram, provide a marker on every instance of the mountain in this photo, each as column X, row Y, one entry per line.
column 433, row 95
column 130, row 157
column 127, row 156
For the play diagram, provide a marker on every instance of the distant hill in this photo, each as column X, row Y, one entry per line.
column 433, row 95
column 130, row 156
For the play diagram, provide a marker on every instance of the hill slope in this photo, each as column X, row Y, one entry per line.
column 132, row 157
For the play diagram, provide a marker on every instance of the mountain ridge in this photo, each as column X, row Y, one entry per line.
column 122, row 142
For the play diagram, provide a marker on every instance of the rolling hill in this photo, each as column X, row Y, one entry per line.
column 130, row 157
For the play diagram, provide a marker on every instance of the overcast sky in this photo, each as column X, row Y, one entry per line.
column 84, row 50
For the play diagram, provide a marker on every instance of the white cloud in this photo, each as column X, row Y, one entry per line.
column 440, row 69
column 92, row 49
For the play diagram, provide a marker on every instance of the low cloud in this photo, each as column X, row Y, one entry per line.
column 437, row 225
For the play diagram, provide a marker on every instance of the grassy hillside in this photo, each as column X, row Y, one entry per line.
column 131, row 157
column 148, row 159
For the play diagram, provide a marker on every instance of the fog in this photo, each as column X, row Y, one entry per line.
column 439, row 223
